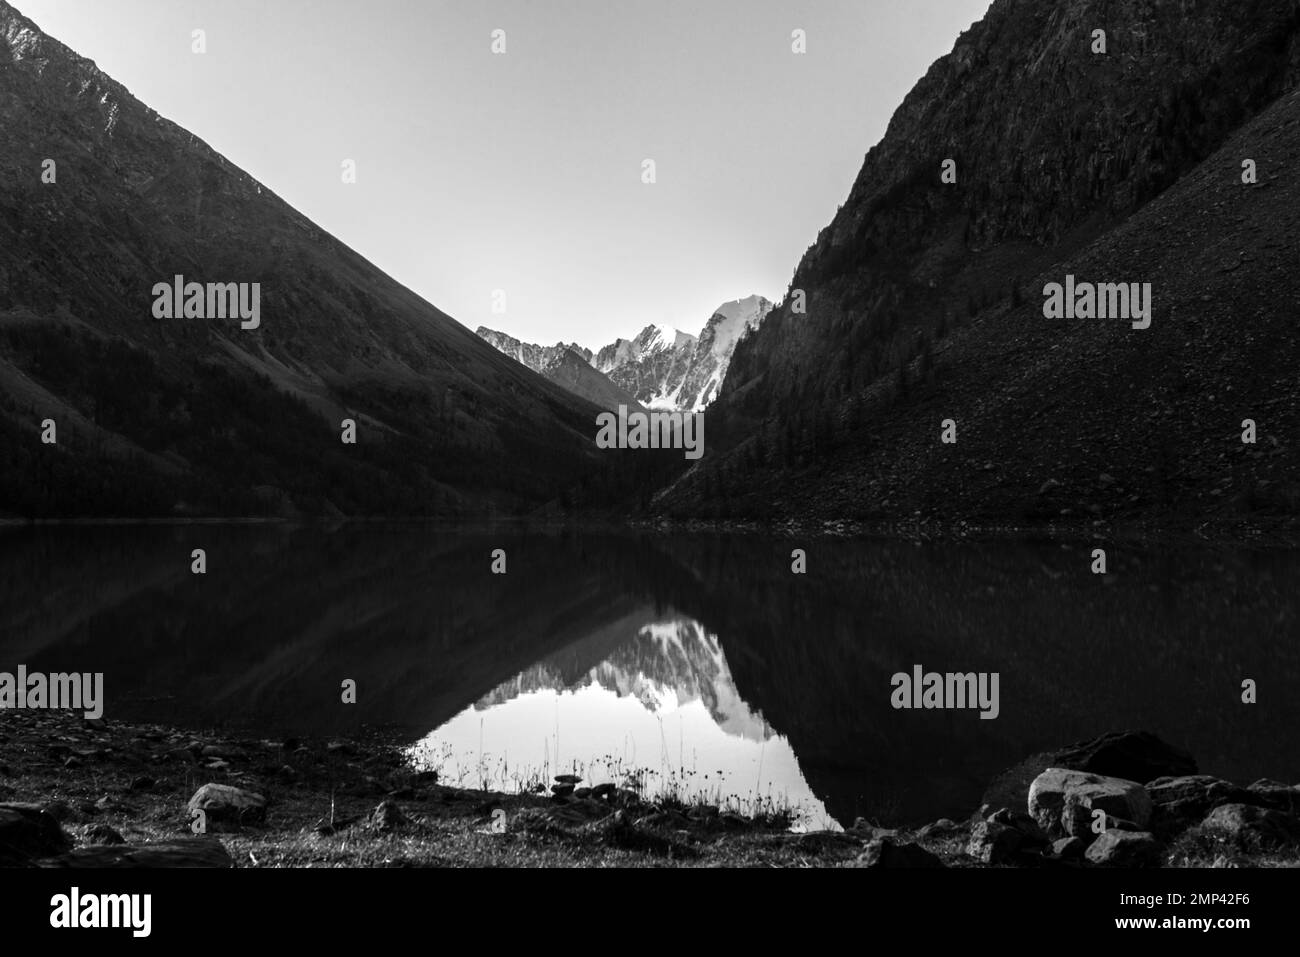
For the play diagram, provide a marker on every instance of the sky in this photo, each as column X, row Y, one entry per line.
column 521, row 173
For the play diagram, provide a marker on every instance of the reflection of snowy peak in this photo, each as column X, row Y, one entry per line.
column 668, row 665
column 668, row 369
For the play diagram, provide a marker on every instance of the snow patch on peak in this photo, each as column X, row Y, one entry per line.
column 731, row 321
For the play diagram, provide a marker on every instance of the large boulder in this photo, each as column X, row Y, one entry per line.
column 1275, row 795
column 1252, row 828
column 1179, row 802
column 1086, row 793
column 1125, row 849
column 221, row 802
column 1130, row 755
column 28, row 831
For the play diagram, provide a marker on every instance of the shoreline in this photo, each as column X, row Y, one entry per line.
column 77, row 793
column 1280, row 534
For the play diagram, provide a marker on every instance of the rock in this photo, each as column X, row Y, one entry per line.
column 864, row 828
column 1275, row 795
column 103, row 834
column 562, row 790
column 944, row 827
column 603, row 790
column 28, row 831
column 887, row 852
column 1253, row 828
column 994, row 843
column 568, row 779
column 1078, row 819
column 581, row 793
column 1131, row 755
column 1033, row 835
column 1117, row 797
column 1125, row 849
column 222, row 802
column 387, row 817
column 181, row 852
column 1068, row 849
column 1179, row 802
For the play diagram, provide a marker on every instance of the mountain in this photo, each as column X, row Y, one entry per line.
column 668, row 369
column 204, row 416
column 661, row 664
column 925, row 299
column 526, row 353
column 662, row 368
column 712, row 357
column 568, row 365
column 650, row 342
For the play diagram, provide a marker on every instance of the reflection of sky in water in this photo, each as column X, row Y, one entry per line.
column 662, row 703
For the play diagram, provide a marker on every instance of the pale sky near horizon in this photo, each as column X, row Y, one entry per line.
column 522, row 171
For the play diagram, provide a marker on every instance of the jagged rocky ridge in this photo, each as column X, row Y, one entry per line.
column 1119, row 167
column 661, row 368
column 568, row 365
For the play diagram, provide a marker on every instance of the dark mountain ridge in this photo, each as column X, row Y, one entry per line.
column 199, row 416
column 924, row 299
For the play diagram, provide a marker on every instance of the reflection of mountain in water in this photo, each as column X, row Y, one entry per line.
column 415, row 617
column 666, row 665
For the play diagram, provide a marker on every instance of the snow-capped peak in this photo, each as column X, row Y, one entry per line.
column 733, row 319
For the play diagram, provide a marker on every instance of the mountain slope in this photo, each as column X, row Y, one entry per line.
column 567, row 365
column 1056, row 149
column 159, row 416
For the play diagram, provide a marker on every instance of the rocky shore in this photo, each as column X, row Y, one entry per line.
column 77, row 793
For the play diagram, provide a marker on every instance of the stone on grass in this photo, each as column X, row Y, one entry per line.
column 222, row 802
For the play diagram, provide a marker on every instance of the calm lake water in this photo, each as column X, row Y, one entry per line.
column 700, row 661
